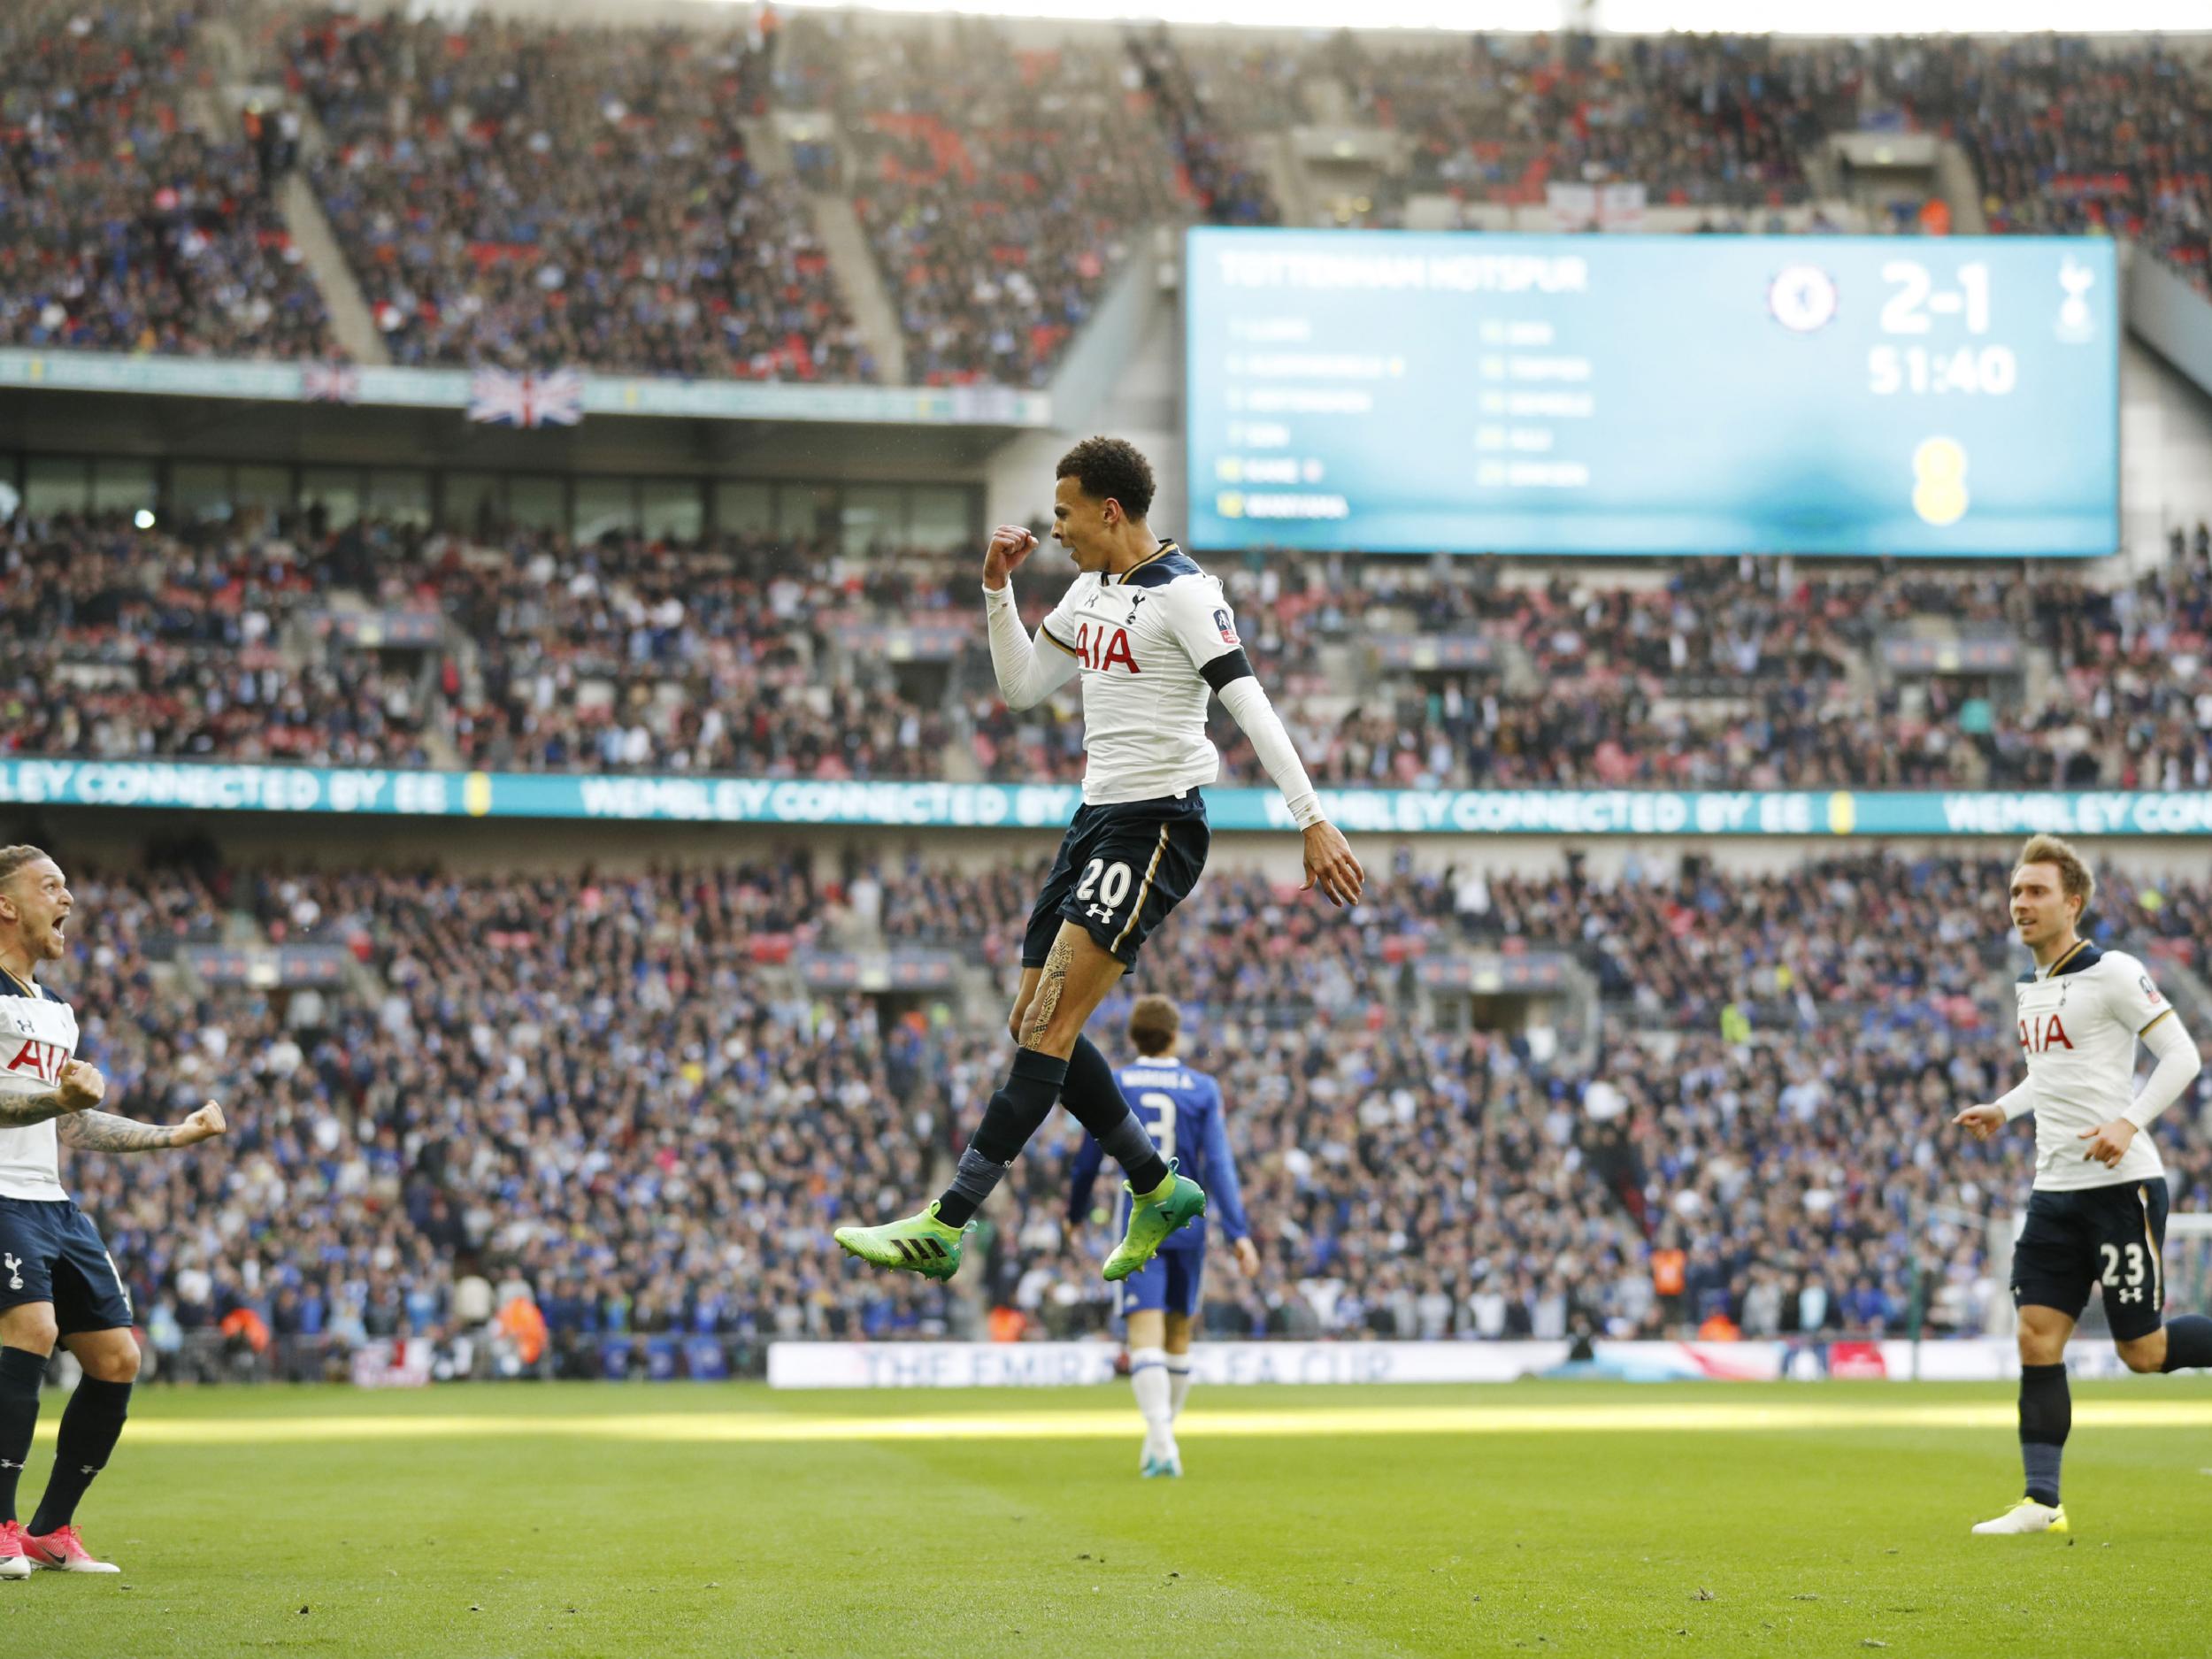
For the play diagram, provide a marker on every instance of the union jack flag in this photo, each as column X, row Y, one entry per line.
column 503, row 399
column 329, row 383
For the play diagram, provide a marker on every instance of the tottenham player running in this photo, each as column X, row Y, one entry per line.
column 2098, row 1213
column 56, row 1280
column 1159, row 1302
column 1152, row 636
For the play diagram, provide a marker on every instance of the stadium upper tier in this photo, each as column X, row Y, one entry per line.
column 376, row 645
column 133, row 214
column 617, row 1093
column 652, row 201
column 530, row 197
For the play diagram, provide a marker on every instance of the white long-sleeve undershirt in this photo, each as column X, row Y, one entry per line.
column 2178, row 1064
column 1028, row 670
column 1246, row 701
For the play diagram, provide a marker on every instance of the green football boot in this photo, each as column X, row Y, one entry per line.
column 920, row 1244
column 1152, row 1216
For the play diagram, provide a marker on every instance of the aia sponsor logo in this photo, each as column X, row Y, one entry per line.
column 43, row 1060
column 1102, row 648
column 2039, row 1033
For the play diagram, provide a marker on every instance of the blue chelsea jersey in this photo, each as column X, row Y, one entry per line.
column 1182, row 1109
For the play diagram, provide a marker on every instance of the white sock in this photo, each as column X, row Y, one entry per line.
column 1177, row 1384
column 1148, row 1377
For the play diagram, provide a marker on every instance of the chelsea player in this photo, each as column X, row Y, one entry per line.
column 1182, row 1110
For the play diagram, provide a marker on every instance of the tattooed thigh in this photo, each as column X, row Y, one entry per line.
column 1050, row 984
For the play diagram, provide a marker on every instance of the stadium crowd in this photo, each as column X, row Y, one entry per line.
column 610, row 1095
column 528, row 197
column 511, row 193
column 750, row 655
column 1698, row 121
column 134, row 216
column 999, row 187
column 123, row 643
column 2071, row 136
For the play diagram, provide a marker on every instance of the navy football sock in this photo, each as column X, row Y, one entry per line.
column 2047, row 1416
column 20, row 1373
column 1094, row 1100
column 1014, row 1115
column 2188, row 1342
column 89, row 1426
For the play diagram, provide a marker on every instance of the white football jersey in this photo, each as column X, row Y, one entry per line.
column 1142, row 639
column 2080, row 1020
column 38, row 1036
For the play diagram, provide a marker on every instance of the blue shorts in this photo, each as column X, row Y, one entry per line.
column 1166, row 1284
column 49, row 1251
column 1120, row 871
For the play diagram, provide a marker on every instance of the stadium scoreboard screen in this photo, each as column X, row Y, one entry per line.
column 1410, row 392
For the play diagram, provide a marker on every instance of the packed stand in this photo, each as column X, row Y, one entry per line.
column 2072, row 136
column 744, row 655
column 125, row 643
column 1740, row 673
column 1776, row 1162
column 731, row 657
column 527, row 196
column 584, row 1084
column 602, row 1095
column 133, row 215
column 1001, row 188
column 1218, row 172
column 1699, row 120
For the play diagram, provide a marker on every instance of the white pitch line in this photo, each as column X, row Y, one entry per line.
column 768, row 1428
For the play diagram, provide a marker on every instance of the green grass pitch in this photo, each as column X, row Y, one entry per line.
column 671, row 1521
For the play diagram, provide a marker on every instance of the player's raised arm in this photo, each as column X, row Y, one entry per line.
column 105, row 1131
column 1029, row 670
column 1202, row 621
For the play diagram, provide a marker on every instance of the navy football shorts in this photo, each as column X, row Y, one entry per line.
column 2109, row 1237
column 1121, row 868
column 49, row 1251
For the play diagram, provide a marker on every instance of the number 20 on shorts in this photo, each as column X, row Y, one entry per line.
column 1110, row 881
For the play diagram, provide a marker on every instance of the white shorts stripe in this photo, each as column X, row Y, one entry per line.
column 1145, row 890
column 2150, row 1243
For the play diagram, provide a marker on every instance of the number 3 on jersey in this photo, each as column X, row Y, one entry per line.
column 1158, row 1117
column 1110, row 882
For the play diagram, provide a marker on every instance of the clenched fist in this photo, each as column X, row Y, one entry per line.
column 1011, row 544
column 82, row 1087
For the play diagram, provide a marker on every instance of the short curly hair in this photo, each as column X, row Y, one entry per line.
column 1111, row 469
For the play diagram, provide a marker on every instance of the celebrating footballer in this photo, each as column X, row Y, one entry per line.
column 1153, row 638
column 57, row 1283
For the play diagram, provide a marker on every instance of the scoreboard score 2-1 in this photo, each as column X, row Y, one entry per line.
column 1415, row 392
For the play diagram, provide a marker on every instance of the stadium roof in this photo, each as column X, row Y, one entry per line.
column 1631, row 17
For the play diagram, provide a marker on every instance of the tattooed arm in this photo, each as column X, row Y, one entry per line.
column 20, row 1111
column 81, row 1088
column 105, row 1131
